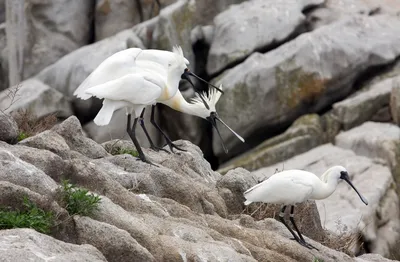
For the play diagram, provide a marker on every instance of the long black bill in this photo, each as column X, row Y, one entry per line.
column 363, row 199
column 188, row 72
column 212, row 118
column 185, row 76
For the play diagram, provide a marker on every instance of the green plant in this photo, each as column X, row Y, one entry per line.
column 78, row 201
column 315, row 259
column 22, row 136
column 131, row 152
column 31, row 217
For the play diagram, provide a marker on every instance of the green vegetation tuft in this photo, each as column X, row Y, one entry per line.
column 31, row 217
column 131, row 152
column 78, row 201
column 22, row 136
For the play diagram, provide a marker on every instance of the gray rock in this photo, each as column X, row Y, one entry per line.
column 20, row 244
column 343, row 212
column 72, row 133
column 51, row 33
column 196, row 191
column 373, row 140
column 232, row 186
column 50, row 163
column 8, row 128
column 395, row 101
column 373, row 258
column 48, row 140
column 14, row 170
column 173, row 27
column 364, row 105
column 254, row 25
column 69, row 72
column 113, row 16
column 305, row 133
column 114, row 243
column 37, row 97
column 292, row 82
column 206, row 10
column 13, row 195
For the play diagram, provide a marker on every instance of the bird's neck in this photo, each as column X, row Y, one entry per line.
column 326, row 187
column 178, row 103
column 173, row 81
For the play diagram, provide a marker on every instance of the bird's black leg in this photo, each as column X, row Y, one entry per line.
column 169, row 142
column 131, row 132
column 140, row 9
column 303, row 242
column 152, row 145
column 282, row 219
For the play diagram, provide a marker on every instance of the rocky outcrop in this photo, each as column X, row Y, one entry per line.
column 36, row 97
column 48, row 33
column 177, row 210
column 304, row 134
column 273, row 89
column 40, row 247
column 364, row 105
column 254, row 25
column 8, row 128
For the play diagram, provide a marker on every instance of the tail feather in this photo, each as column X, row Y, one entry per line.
column 105, row 114
column 247, row 202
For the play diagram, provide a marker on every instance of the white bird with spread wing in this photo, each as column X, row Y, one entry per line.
column 135, row 78
column 296, row 186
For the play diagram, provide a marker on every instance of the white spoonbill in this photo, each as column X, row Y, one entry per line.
column 296, row 186
column 171, row 66
column 140, row 87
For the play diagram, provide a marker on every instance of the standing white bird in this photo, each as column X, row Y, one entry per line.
column 135, row 78
column 296, row 186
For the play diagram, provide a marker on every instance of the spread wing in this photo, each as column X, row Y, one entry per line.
column 137, row 89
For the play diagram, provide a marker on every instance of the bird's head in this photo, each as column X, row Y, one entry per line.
column 339, row 173
column 206, row 109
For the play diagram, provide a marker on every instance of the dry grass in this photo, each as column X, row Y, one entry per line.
column 30, row 125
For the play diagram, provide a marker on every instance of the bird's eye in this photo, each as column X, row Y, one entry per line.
column 169, row 64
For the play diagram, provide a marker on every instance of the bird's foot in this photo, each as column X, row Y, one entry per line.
column 157, row 148
column 147, row 161
column 172, row 146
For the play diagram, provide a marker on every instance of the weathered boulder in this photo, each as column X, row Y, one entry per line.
column 206, row 10
column 50, row 163
column 113, row 16
column 334, row 10
column 254, row 25
column 395, row 101
column 173, row 27
column 14, row 170
column 305, row 133
column 114, row 243
column 36, row 97
column 20, row 244
column 271, row 90
column 69, row 72
column 343, row 212
column 373, row 140
column 51, row 33
column 74, row 137
column 8, row 128
column 364, row 105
